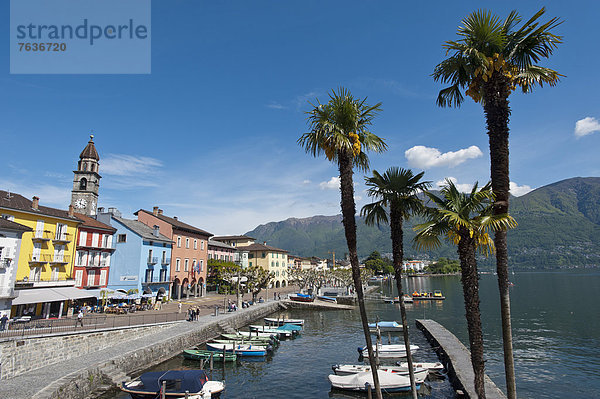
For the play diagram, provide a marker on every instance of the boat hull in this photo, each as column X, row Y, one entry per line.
column 206, row 355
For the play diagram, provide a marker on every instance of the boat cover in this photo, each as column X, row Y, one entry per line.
column 385, row 324
column 177, row 380
column 357, row 381
column 290, row 327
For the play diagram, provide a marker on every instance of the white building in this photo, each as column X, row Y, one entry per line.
column 10, row 245
column 415, row 265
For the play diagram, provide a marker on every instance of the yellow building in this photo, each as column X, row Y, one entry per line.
column 269, row 258
column 44, row 279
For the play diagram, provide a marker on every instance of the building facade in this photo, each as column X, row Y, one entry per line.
column 190, row 252
column 239, row 242
column 218, row 250
column 271, row 259
column 94, row 248
column 10, row 246
column 142, row 256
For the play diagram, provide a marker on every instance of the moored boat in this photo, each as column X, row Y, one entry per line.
column 428, row 296
column 389, row 382
column 348, row 369
column 388, row 350
column 250, row 339
column 197, row 354
column 175, row 383
column 302, row 298
column 273, row 321
column 327, row 299
column 385, row 326
column 432, row 366
column 270, row 330
column 240, row 350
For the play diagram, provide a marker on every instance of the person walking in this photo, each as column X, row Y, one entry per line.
column 80, row 318
column 179, row 307
column 3, row 321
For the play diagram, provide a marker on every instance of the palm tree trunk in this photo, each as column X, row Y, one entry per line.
column 470, row 283
column 348, row 212
column 397, row 236
column 497, row 112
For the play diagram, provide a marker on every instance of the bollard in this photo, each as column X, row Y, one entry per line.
column 216, row 310
column 389, row 337
column 211, row 362
column 163, row 391
column 368, row 388
column 187, row 394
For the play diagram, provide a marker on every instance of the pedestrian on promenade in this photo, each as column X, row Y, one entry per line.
column 179, row 307
column 274, row 296
column 3, row 321
column 80, row 317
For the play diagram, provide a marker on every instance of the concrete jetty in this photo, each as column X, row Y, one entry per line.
column 457, row 360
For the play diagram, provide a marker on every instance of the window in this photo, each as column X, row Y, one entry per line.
column 178, row 265
column 83, row 238
column 102, row 277
column 81, row 258
column 187, row 242
column 78, row 277
column 178, row 242
column 83, row 183
column 105, row 262
column 263, row 254
column 149, row 275
column 250, row 264
column 202, row 245
column 61, row 231
column 122, row 238
column 164, row 258
column 91, row 280
column 194, row 265
column 195, row 244
column 201, row 265
column 272, row 264
column 186, row 265
column 163, row 274
column 35, row 273
column 105, row 241
column 95, row 239
column 39, row 229
column 277, row 264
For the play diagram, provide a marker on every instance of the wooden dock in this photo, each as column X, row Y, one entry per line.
column 457, row 360
column 318, row 305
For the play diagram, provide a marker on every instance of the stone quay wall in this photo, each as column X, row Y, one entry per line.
column 31, row 353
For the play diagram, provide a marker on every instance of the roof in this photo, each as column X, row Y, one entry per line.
column 261, row 247
column 6, row 224
column 20, row 203
column 91, row 222
column 141, row 229
column 90, row 150
column 179, row 225
column 242, row 237
column 220, row 245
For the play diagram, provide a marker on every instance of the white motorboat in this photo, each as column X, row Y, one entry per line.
column 347, row 369
column 179, row 383
column 273, row 321
column 269, row 330
column 388, row 350
column 433, row 366
column 386, row 326
column 389, row 382
column 239, row 349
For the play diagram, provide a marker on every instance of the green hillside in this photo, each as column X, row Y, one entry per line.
column 559, row 226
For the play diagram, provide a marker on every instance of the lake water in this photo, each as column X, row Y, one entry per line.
column 556, row 332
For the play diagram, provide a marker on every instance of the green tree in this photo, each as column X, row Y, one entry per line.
column 465, row 220
column 257, row 279
column 340, row 130
column 378, row 264
column 396, row 190
column 491, row 58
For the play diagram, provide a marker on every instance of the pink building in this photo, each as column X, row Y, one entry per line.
column 220, row 251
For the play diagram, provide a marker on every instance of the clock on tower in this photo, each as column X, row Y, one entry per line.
column 86, row 181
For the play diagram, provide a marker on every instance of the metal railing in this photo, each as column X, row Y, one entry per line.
column 61, row 259
column 42, row 235
column 40, row 258
column 62, row 237
column 166, row 261
column 91, row 321
column 152, row 260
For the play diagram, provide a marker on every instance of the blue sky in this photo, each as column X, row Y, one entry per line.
column 210, row 135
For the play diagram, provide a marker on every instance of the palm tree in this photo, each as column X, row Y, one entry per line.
column 339, row 129
column 397, row 190
column 466, row 220
column 491, row 58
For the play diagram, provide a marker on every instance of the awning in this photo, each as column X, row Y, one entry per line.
column 41, row 295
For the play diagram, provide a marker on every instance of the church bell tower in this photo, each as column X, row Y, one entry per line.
column 84, row 196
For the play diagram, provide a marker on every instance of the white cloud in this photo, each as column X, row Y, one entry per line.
column 426, row 157
column 587, row 125
column 276, row 105
column 128, row 165
column 303, row 100
column 306, row 182
column 54, row 196
column 462, row 187
column 517, row 190
column 332, row 184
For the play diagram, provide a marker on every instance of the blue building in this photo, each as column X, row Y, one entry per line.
column 142, row 256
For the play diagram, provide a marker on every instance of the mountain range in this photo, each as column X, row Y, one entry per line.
column 559, row 226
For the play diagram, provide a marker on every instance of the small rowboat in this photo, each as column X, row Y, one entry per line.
column 428, row 296
column 388, row 350
column 348, row 369
column 389, row 382
column 253, row 334
column 327, row 299
column 302, row 298
column 240, row 350
column 271, row 340
column 272, row 321
column 239, row 341
column 271, row 331
column 385, row 326
column 193, row 354
column 437, row 366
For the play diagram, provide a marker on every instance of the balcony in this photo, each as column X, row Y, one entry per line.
column 62, row 238
column 152, row 260
column 42, row 236
column 5, row 263
column 61, row 259
column 166, row 261
column 40, row 282
column 99, row 246
column 40, row 258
